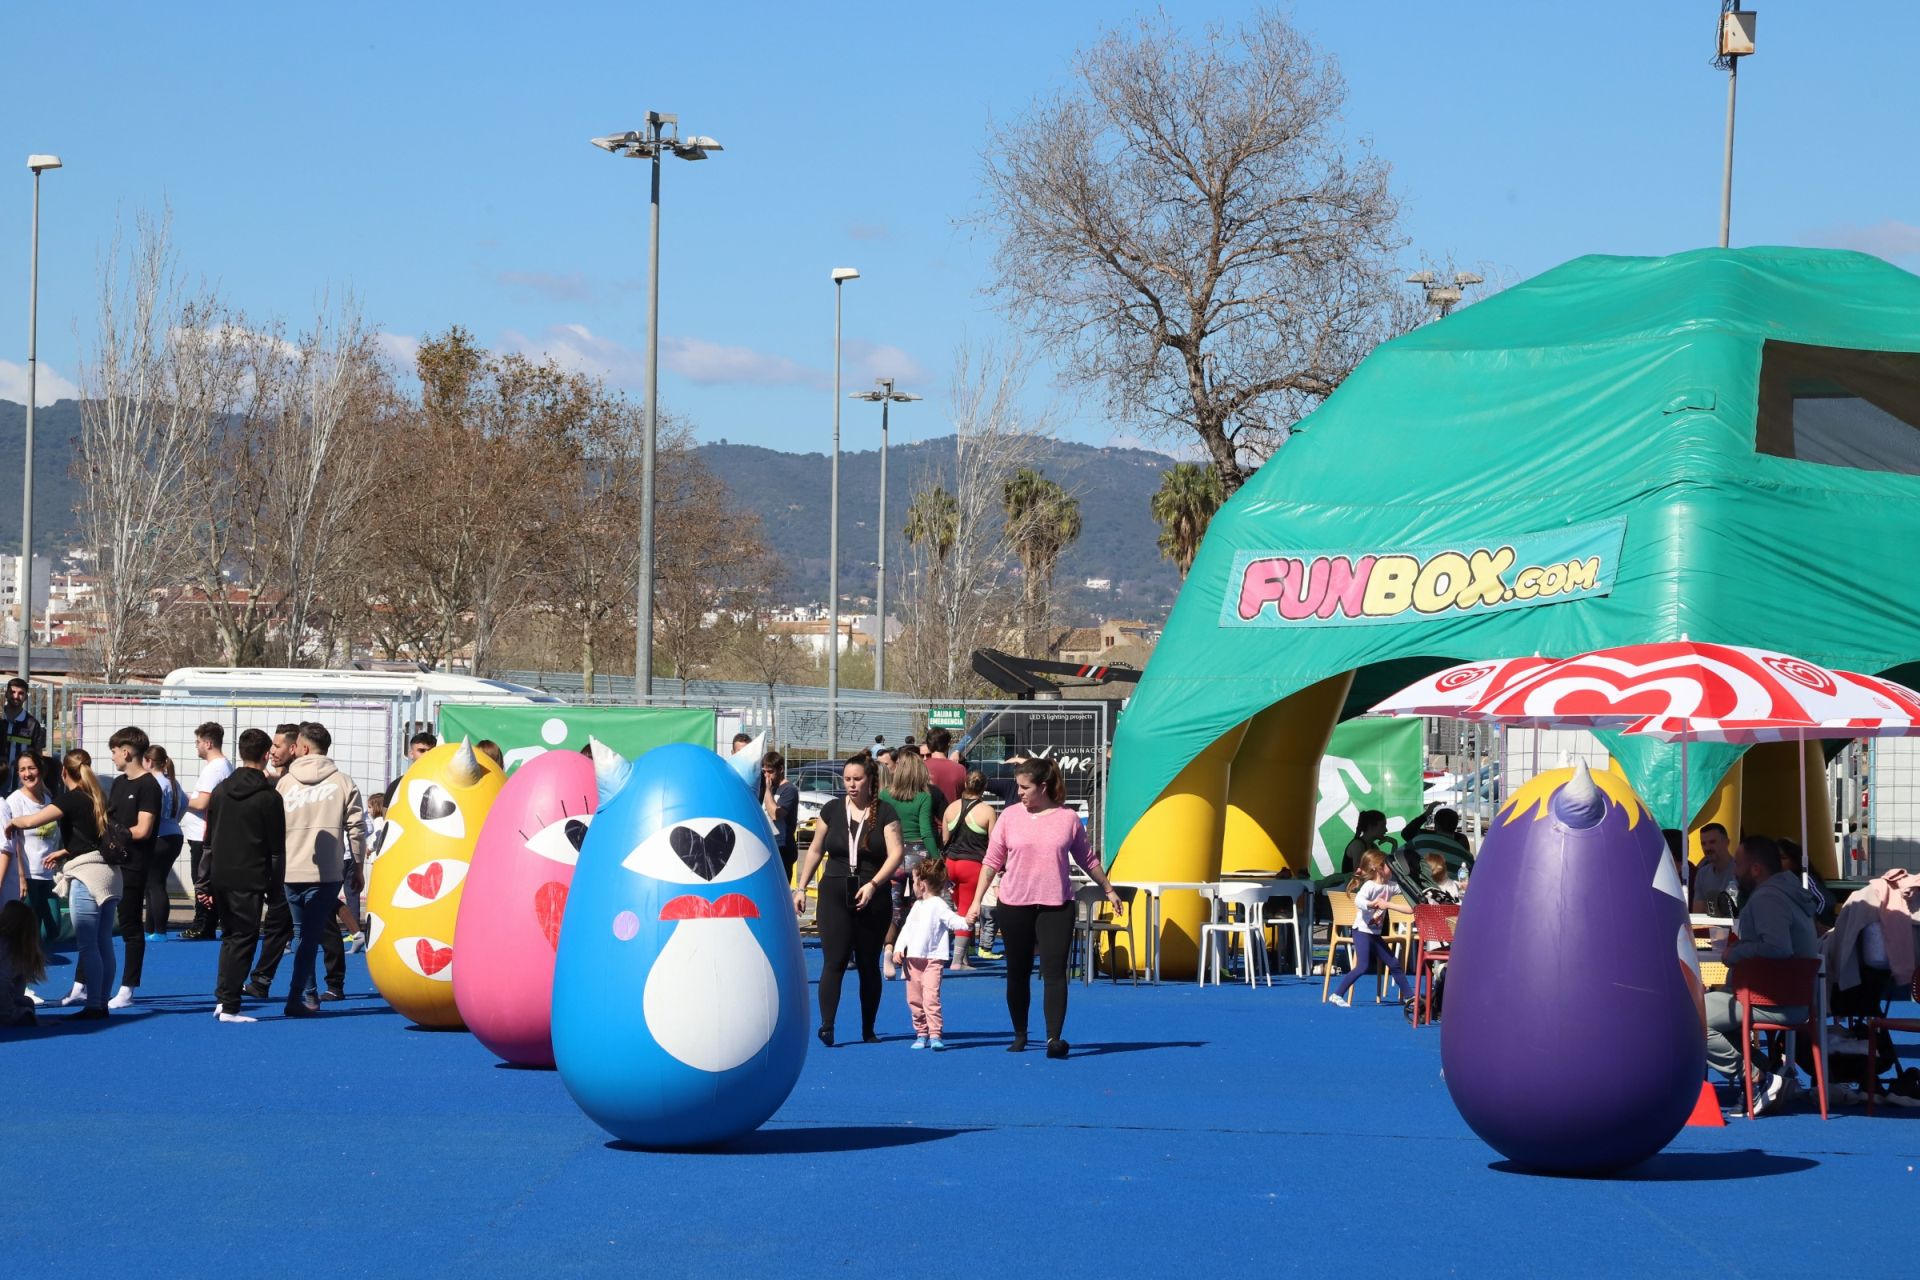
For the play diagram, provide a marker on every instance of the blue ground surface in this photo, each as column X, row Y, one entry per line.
column 1192, row 1131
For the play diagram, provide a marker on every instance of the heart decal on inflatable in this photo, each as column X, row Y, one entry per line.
column 549, row 906
column 427, row 883
column 432, row 959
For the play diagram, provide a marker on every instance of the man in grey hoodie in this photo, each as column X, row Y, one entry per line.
column 1776, row 922
column 326, row 824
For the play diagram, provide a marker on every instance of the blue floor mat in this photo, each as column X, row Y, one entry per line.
column 1191, row 1129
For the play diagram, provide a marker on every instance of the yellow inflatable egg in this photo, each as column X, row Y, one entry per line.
column 413, row 893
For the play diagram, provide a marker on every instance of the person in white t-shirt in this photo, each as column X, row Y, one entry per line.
column 28, row 850
column 208, row 740
column 1373, row 878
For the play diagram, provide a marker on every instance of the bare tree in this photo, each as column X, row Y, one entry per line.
column 148, row 399
column 956, row 572
column 712, row 558
column 1189, row 234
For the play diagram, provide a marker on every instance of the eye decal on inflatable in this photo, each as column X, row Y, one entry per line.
column 561, row 841
column 375, row 927
column 428, row 957
column 437, row 809
column 703, row 851
column 428, row 883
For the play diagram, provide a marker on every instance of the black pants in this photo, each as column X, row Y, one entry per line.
column 239, row 930
column 131, row 918
column 166, row 851
column 846, row 932
column 275, row 933
column 1050, row 931
column 40, row 897
column 206, row 901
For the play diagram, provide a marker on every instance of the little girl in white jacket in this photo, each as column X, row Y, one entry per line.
column 922, row 946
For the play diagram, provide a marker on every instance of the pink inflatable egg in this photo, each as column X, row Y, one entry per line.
column 516, row 894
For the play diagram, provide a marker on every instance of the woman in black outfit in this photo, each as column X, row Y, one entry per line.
column 855, row 906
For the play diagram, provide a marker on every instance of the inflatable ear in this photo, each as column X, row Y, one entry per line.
column 513, row 902
column 610, row 769
column 1572, row 1042
column 746, row 761
column 413, row 894
column 679, row 992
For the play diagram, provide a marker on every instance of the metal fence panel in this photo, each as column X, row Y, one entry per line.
column 363, row 737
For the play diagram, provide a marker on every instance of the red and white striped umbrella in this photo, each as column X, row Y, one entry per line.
column 1452, row 691
column 1684, row 690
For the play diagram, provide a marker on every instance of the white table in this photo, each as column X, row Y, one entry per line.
column 1286, row 888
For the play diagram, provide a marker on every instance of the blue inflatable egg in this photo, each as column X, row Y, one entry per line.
column 679, row 991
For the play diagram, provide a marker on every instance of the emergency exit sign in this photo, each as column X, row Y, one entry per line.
column 947, row 718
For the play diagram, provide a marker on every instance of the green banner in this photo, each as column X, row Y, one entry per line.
column 1370, row 764
column 523, row 732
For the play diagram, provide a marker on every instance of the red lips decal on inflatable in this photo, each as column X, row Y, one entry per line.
column 732, row 906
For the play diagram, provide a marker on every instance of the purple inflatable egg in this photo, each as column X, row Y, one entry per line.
column 1573, row 1038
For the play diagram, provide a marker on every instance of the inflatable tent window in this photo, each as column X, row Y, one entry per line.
column 1722, row 444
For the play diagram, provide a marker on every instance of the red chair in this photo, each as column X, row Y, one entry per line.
column 1874, row 1027
column 1432, row 922
column 1778, row 984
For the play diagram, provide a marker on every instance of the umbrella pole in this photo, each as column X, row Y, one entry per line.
column 1686, row 809
column 1806, row 852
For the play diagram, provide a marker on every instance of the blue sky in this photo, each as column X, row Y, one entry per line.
column 433, row 157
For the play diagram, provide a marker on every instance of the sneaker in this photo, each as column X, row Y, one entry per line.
column 1768, row 1093
column 76, row 996
column 937, row 1045
column 919, row 1042
column 354, row 942
column 257, row 990
column 331, row 996
column 122, row 999
column 1337, row 999
column 300, row 1009
column 34, row 998
column 156, row 937
column 221, row 1015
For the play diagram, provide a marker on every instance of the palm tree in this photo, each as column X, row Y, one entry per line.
column 933, row 520
column 1043, row 520
column 1189, row 495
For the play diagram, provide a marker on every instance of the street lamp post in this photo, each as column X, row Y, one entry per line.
column 840, row 276
column 1736, row 42
column 662, row 136
column 24, row 578
column 886, row 396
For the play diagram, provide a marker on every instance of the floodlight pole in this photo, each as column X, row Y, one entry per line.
column 643, row 607
column 1726, row 163
column 1736, row 41
column 24, row 578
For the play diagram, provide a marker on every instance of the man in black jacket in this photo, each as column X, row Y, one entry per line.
column 246, row 842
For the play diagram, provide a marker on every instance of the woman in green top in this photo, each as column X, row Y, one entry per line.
column 906, row 789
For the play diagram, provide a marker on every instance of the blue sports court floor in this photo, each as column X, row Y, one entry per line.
column 1191, row 1132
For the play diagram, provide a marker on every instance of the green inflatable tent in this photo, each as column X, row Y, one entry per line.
column 1722, row 445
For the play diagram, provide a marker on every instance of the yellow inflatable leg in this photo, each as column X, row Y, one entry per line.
column 1179, row 839
column 1723, row 807
column 1774, row 799
column 1275, row 781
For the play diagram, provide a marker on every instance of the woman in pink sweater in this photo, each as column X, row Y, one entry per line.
column 1027, row 855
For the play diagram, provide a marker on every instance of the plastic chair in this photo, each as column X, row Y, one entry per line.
column 1340, row 912
column 1294, row 893
column 1088, row 927
column 1238, row 912
column 1874, row 1027
column 1432, row 923
column 1777, row 984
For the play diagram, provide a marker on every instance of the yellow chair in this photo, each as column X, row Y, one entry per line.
column 1399, row 938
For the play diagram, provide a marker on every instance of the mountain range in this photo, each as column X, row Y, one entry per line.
column 790, row 493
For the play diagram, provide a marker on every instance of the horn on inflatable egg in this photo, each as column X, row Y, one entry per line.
column 464, row 769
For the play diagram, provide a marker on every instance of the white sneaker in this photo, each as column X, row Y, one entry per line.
column 35, row 998
column 1769, row 1093
column 222, row 1015
column 122, row 999
column 76, row 996
column 1338, row 999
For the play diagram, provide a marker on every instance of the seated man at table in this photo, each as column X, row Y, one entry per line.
column 1443, row 837
column 1714, row 873
column 1776, row 922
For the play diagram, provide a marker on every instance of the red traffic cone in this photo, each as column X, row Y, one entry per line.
column 1706, row 1109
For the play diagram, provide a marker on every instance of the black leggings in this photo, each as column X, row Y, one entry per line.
column 130, row 918
column 846, row 932
column 1050, row 931
column 166, row 850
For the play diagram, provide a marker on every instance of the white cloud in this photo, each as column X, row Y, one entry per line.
column 401, row 348
column 1887, row 238
column 865, row 361
column 49, row 385
column 713, row 364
